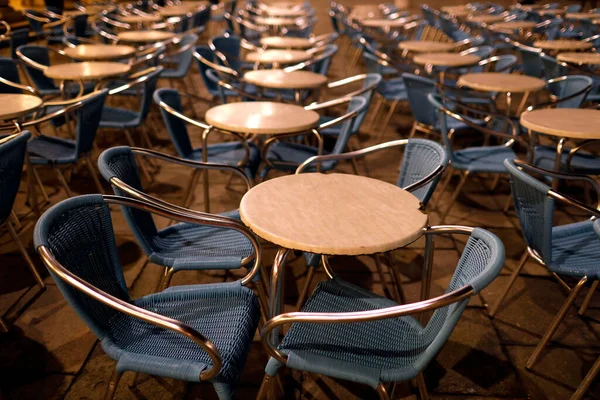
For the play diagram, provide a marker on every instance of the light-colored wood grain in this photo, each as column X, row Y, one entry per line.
column 425, row 46
column 178, row 10
column 333, row 214
column 261, row 118
column 284, row 11
column 573, row 123
column 365, row 11
column 74, row 13
column 278, row 56
column 464, row 13
column 274, row 21
column 386, row 23
column 487, row 18
column 446, row 59
column 526, row 7
column 499, row 82
column 562, row 45
column 93, row 52
column 145, row 36
column 451, row 9
column 582, row 15
column 552, row 11
column 140, row 19
column 13, row 105
column 512, row 25
column 97, row 9
column 86, row 70
column 282, row 42
column 580, row 58
column 279, row 79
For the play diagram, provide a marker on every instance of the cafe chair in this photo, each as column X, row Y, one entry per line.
column 195, row 333
column 177, row 62
column 552, row 67
column 59, row 153
column 13, row 149
column 346, row 332
column 239, row 152
column 10, row 81
column 18, row 38
column 476, row 159
column 566, row 250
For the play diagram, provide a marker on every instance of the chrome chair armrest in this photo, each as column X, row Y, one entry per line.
column 267, row 144
column 137, row 79
column 24, row 88
column 216, row 67
column 239, row 91
column 350, row 80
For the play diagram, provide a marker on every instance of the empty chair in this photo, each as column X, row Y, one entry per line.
column 10, row 81
column 359, row 336
column 552, row 67
column 18, row 38
column 531, row 61
column 177, row 63
column 228, row 50
column 566, row 250
column 195, row 333
column 504, row 63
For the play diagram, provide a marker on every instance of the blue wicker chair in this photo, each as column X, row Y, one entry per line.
column 347, row 332
column 566, row 250
column 195, row 333
column 13, row 149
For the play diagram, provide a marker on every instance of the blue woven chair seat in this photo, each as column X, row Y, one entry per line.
column 361, row 352
column 119, row 118
column 583, row 163
column 455, row 124
column 575, row 249
column 482, row 159
column 215, row 310
column 230, row 153
column 294, row 153
column 51, row 150
column 189, row 246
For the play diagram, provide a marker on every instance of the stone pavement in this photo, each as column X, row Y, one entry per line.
column 50, row 354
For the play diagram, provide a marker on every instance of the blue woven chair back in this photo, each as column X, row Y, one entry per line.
column 18, row 38
column 149, row 88
column 447, row 26
column 80, row 25
column 372, row 79
column 482, row 52
column 79, row 233
column 421, row 158
column 12, row 157
column 481, row 262
column 534, row 208
column 531, row 62
column 569, row 86
column 231, row 47
column 551, row 67
column 9, row 71
column 553, row 28
column 201, row 18
column 505, row 63
column 417, row 90
column 573, row 8
column 88, row 119
column 34, row 24
column 119, row 162
column 184, row 59
column 358, row 104
column 207, row 53
column 175, row 126
column 334, row 21
column 436, row 103
column 322, row 66
column 371, row 63
column 41, row 55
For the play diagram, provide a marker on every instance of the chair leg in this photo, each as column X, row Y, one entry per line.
column 444, row 186
column 134, row 378
column 63, row 181
column 382, row 276
column 413, row 130
column 96, row 179
column 387, row 120
column 38, row 180
column 112, row 385
column 206, row 193
column 23, row 251
column 376, row 111
column 310, row 273
column 266, row 388
column 588, row 298
column 455, row 195
column 189, row 193
column 15, row 219
column 513, row 278
column 3, row 326
column 401, row 297
column 382, row 392
column 561, row 314
column 587, row 381
column 165, row 279
column 422, row 387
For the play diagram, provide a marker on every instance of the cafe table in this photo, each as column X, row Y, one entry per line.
column 425, row 46
column 85, row 71
column 583, row 15
column 557, row 46
column 563, row 124
column 140, row 20
column 579, row 58
column 513, row 25
column 503, row 83
column 99, row 52
column 292, row 12
column 552, row 11
column 278, row 57
column 486, row 18
column 445, row 61
column 150, row 36
column 330, row 214
column 286, row 42
column 179, row 10
column 278, row 79
column 387, row 24
column 452, row 9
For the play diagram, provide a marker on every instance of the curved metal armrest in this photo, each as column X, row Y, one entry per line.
column 180, row 50
column 136, row 312
column 25, row 88
column 339, row 119
column 7, row 30
column 326, row 104
column 216, row 67
column 352, row 79
column 68, row 109
column 239, row 91
column 591, row 38
column 30, row 63
column 138, row 78
column 104, row 33
column 562, row 100
column 249, row 46
column 113, row 22
column 44, row 20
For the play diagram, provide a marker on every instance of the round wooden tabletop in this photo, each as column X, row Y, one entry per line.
column 140, row 19
column 552, row 11
column 275, row 21
column 512, row 25
column 446, row 59
column 284, row 42
column 97, row 9
column 145, row 36
column 463, row 13
column 487, row 18
column 562, row 45
column 278, row 56
column 284, row 11
column 572, row 123
column 425, row 46
column 579, row 58
column 526, row 7
column 333, row 214
column 386, row 23
column 262, row 118
column 500, row 82
column 16, row 105
column 583, row 15
column 92, row 52
column 178, row 10
column 86, row 70
column 74, row 13
column 279, row 79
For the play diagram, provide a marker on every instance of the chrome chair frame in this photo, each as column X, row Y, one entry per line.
column 140, row 313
